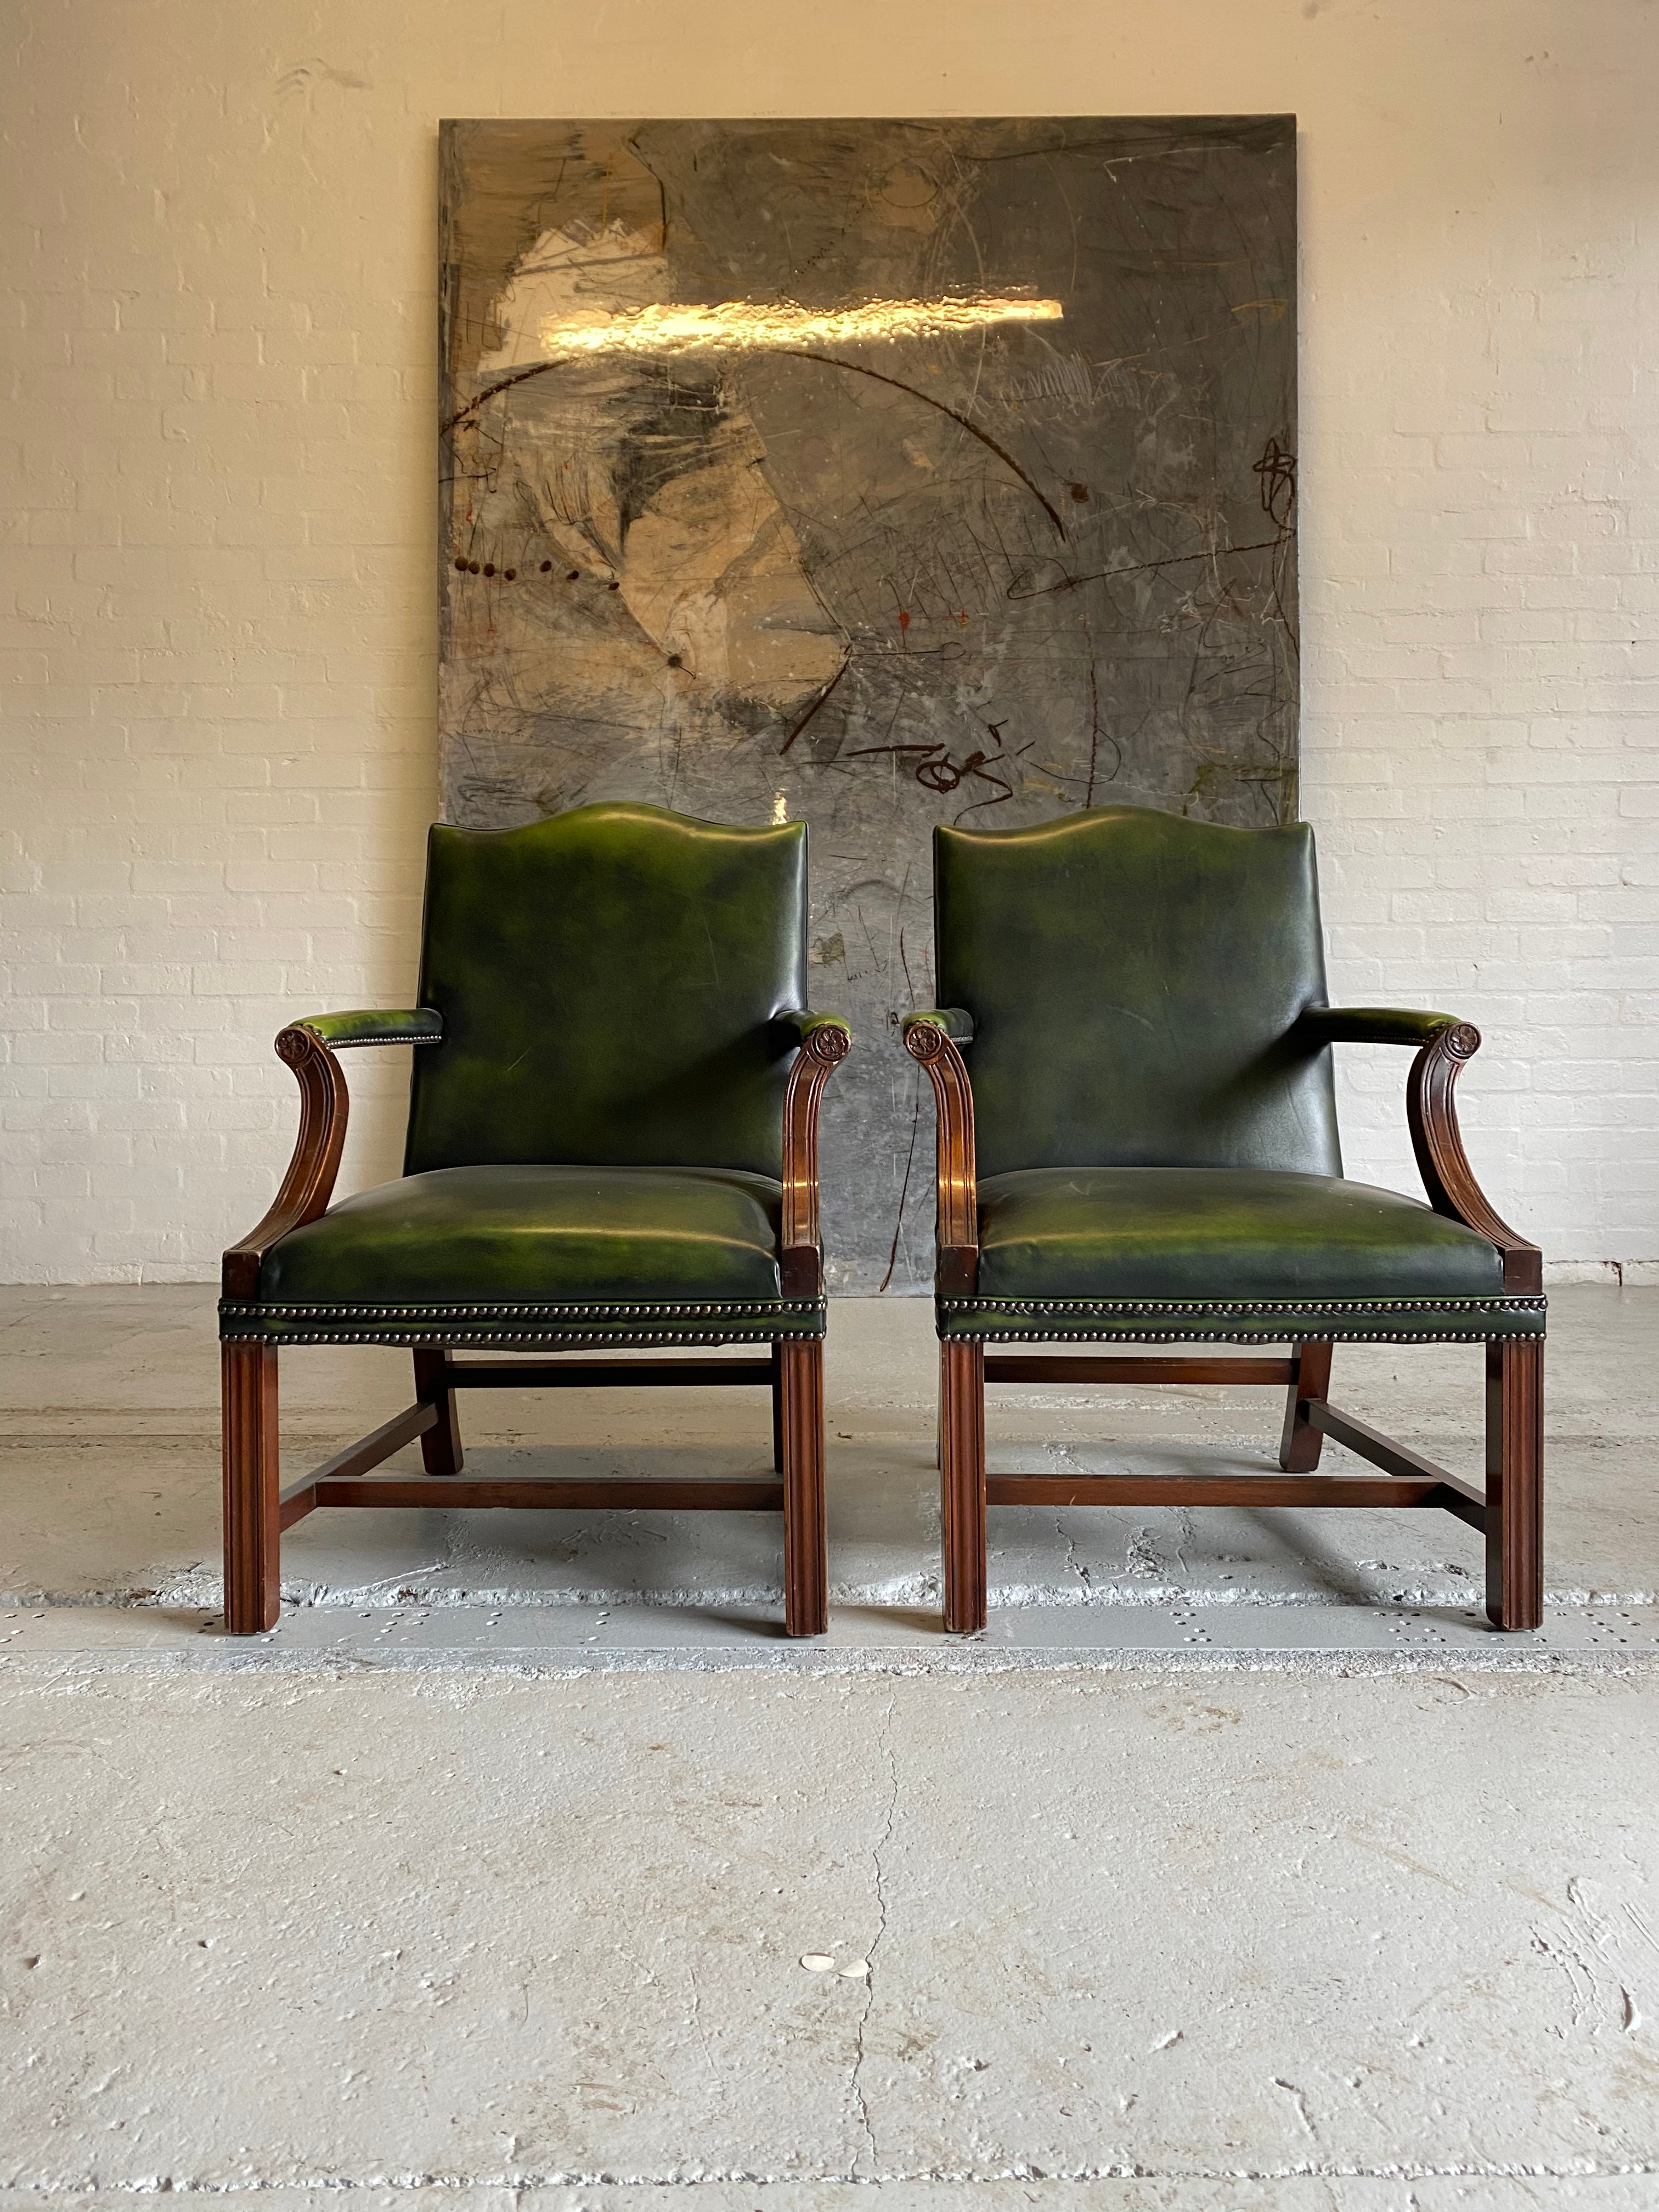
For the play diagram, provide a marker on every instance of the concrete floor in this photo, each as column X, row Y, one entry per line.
column 1238, row 1866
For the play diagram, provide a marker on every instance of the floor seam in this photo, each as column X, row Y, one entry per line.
column 959, row 2177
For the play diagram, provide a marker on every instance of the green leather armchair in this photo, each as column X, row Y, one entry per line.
column 1138, row 1145
column 612, row 1142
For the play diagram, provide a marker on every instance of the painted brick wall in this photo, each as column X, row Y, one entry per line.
column 218, row 325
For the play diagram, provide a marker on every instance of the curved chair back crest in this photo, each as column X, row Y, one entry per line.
column 608, row 980
column 1132, row 978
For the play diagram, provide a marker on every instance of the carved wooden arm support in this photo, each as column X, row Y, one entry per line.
column 823, row 1040
column 1444, row 1045
column 932, row 1039
column 308, row 1047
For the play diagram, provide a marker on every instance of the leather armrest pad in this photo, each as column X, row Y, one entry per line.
column 1322, row 1025
column 369, row 1026
column 951, row 1020
column 805, row 1025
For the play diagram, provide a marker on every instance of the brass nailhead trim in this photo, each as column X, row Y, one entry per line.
column 1246, row 1336
column 749, row 1322
column 381, row 1037
column 1034, row 1306
column 604, row 1311
column 1282, row 1309
column 762, row 1333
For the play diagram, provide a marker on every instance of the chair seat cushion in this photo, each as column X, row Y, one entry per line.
column 531, row 1254
column 1197, row 1252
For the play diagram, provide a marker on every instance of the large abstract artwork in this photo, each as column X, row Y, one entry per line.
column 874, row 474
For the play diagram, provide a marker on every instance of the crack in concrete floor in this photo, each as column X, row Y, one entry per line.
column 880, row 1845
column 522, row 1882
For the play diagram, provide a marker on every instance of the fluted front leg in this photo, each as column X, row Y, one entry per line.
column 962, row 1484
column 1515, row 1483
column 805, row 1541
column 252, row 1533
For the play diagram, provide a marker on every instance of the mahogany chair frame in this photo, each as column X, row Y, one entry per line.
column 1508, row 1509
column 258, row 1509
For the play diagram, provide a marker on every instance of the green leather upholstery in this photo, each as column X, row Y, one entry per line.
column 368, row 1025
column 1140, row 1001
column 609, row 982
column 609, row 1004
column 1244, row 1253
column 1321, row 1025
column 1134, row 979
column 591, row 1253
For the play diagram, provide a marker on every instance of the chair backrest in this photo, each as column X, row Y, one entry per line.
column 1132, row 979
column 608, row 980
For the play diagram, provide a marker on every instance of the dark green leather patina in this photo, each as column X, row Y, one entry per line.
column 1238, row 1252
column 369, row 1025
column 1134, row 979
column 579, row 1243
column 609, row 1004
column 1139, row 1001
column 609, row 982
column 1322, row 1025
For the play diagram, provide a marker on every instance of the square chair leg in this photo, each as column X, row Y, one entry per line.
column 252, row 1533
column 441, row 1446
column 805, row 1541
column 1515, row 1483
column 962, row 1484
column 1300, row 1445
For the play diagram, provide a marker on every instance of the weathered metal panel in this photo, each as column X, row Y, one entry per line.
column 876, row 473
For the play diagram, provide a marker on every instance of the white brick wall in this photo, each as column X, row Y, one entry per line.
column 219, row 329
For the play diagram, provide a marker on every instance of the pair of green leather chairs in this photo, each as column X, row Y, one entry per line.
column 612, row 1146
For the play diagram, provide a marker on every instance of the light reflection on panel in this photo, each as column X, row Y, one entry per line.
column 734, row 325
